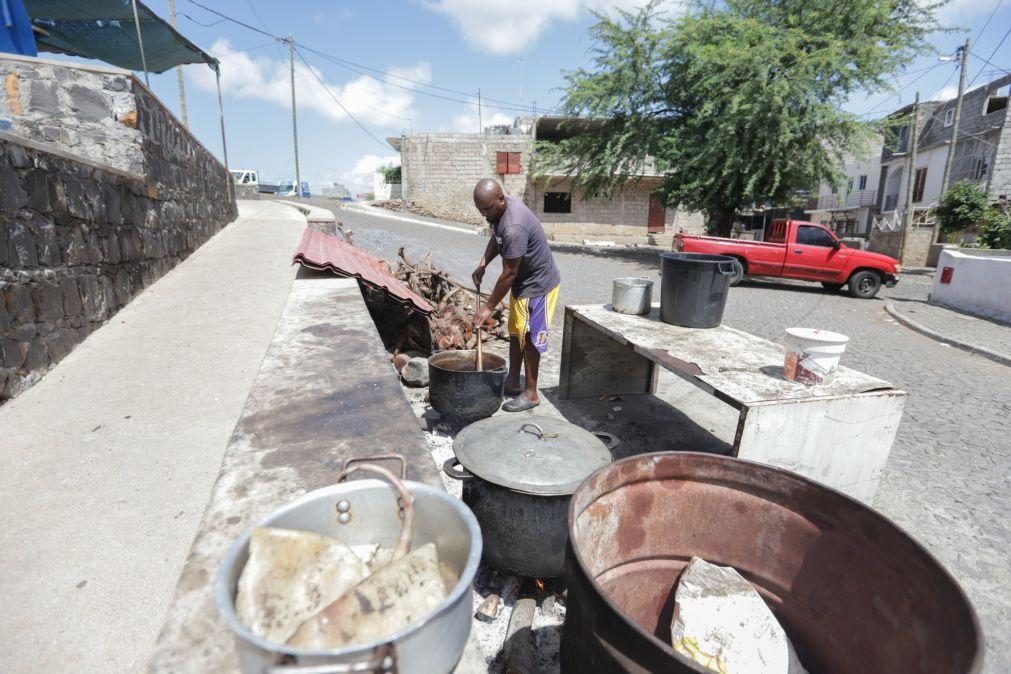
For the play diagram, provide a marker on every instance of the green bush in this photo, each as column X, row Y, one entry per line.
column 995, row 229
column 964, row 205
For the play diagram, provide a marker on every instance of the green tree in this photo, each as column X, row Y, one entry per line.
column 738, row 103
column 964, row 205
column 995, row 228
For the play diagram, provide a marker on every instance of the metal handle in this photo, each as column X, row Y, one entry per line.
column 540, row 431
column 406, row 503
column 798, row 252
column 383, row 661
column 379, row 457
column 449, row 467
column 609, row 439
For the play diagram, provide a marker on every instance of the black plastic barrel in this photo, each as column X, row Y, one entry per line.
column 693, row 288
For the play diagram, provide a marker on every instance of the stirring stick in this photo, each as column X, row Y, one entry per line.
column 480, row 357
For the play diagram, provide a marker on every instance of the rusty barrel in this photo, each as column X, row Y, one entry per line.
column 854, row 593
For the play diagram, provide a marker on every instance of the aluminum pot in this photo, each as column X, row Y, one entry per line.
column 357, row 513
column 458, row 391
column 518, row 475
column 632, row 295
column 853, row 592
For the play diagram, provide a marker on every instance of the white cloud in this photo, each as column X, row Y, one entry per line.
column 359, row 178
column 468, row 121
column 510, row 26
column 372, row 102
column 946, row 93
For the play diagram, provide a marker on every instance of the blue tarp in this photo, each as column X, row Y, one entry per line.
column 105, row 30
column 16, row 35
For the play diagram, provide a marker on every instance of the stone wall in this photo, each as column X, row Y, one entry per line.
column 79, row 238
column 439, row 171
column 918, row 245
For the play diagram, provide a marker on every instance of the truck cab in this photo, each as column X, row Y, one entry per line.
column 245, row 177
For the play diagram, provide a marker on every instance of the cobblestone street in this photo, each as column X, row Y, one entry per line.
column 948, row 478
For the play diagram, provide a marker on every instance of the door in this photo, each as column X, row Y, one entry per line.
column 813, row 256
column 657, row 215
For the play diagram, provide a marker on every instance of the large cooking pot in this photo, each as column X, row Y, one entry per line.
column 853, row 592
column 520, row 473
column 358, row 513
column 457, row 390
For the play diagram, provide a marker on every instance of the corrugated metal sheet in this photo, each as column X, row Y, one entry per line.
column 323, row 251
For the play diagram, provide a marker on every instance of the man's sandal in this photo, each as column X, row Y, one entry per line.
column 519, row 404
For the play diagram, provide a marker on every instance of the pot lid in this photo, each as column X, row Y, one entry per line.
column 532, row 454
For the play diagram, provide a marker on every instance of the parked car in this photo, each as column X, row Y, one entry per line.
column 244, row 177
column 288, row 189
column 801, row 250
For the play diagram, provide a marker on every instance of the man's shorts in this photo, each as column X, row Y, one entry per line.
column 532, row 316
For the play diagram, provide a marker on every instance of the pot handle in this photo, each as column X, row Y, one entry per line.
column 379, row 457
column 449, row 467
column 383, row 661
column 405, row 504
column 609, row 439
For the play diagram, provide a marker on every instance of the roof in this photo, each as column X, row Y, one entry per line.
column 327, row 252
column 105, row 30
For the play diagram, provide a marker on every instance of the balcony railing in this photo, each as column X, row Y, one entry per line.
column 855, row 199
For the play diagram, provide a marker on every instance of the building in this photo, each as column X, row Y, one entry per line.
column 337, row 191
column 850, row 209
column 439, row 170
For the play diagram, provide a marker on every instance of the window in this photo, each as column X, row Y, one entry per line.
column 918, row 183
column 903, row 139
column 979, row 169
column 863, row 182
column 814, row 236
column 997, row 100
column 557, row 202
column 849, row 185
column 949, row 117
column 507, row 162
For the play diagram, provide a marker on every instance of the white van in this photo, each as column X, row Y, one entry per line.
column 245, row 177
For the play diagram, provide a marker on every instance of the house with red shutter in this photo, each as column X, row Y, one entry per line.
column 439, row 170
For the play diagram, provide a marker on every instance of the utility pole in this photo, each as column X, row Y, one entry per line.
column 294, row 120
column 958, row 114
column 140, row 42
column 907, row 216
column 480, row 122
column 179, row 72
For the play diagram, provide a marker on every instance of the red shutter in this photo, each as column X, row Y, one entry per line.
column 514, row 162
column 501, row 162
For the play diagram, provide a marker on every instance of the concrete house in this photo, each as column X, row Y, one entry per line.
column 850, row 209
column 438, row 172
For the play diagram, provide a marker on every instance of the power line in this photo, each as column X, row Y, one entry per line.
column 992, row 54
column 337, row 100
column 885, row 101
column 351, row 65
column 992, row 65
column 987, row 22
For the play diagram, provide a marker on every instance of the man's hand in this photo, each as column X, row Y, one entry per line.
column 478, row 275
column 481, row 316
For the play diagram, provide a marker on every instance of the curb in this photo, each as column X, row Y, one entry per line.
column 995, row 356
column 383, row 213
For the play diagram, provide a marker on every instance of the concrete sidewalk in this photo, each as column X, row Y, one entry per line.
column 109, row 460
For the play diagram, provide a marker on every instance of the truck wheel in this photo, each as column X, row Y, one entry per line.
column 865, row 284
column 834, row 287
column 738, row 273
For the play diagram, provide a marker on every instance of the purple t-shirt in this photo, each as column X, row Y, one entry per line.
column 519, row 233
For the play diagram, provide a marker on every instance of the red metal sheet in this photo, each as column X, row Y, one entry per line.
column 324, row 251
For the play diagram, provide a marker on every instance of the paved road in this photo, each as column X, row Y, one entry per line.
column 949, row 475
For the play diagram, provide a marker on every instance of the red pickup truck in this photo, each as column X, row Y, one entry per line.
column 801, row 250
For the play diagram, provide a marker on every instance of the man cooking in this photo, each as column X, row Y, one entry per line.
column 531, row 277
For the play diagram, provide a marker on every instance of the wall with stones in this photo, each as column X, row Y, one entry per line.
column 102, row 191
column 439, row 171
column 917, row 247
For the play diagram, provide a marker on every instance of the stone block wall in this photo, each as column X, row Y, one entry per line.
column 917, row 247
column 439, row 171
column 99, row 197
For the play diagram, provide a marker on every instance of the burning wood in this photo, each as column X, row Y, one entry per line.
column 451, row 323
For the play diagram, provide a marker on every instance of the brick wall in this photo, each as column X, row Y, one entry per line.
column 918, row 245
column 82, row 234
column 439, row 171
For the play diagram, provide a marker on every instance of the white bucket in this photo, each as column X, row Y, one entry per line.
column 812, row 355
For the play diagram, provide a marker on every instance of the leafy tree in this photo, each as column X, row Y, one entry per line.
column 995, row 229
column 739, row 103
column 391, row 174
column 964, row 205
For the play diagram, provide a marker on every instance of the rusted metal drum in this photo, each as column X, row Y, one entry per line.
column 854, row 593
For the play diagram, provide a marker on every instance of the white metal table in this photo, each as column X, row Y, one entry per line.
column 839, row 434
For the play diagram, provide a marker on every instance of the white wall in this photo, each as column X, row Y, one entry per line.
column 979, row 285
column 933, row 159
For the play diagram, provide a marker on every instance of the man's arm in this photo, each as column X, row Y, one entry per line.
column 510, row 268
column 490, row 253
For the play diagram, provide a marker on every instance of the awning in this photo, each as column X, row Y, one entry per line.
column 105, row 30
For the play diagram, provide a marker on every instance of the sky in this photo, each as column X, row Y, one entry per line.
column 417, row 65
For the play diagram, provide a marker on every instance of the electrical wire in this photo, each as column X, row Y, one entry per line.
column 987, row 22
column 884, row 101
column 992, row 54
column 338, row 101
column 386, row 76
column 992, row 65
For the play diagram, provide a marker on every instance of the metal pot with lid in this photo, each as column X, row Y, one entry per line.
column 519, row 473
